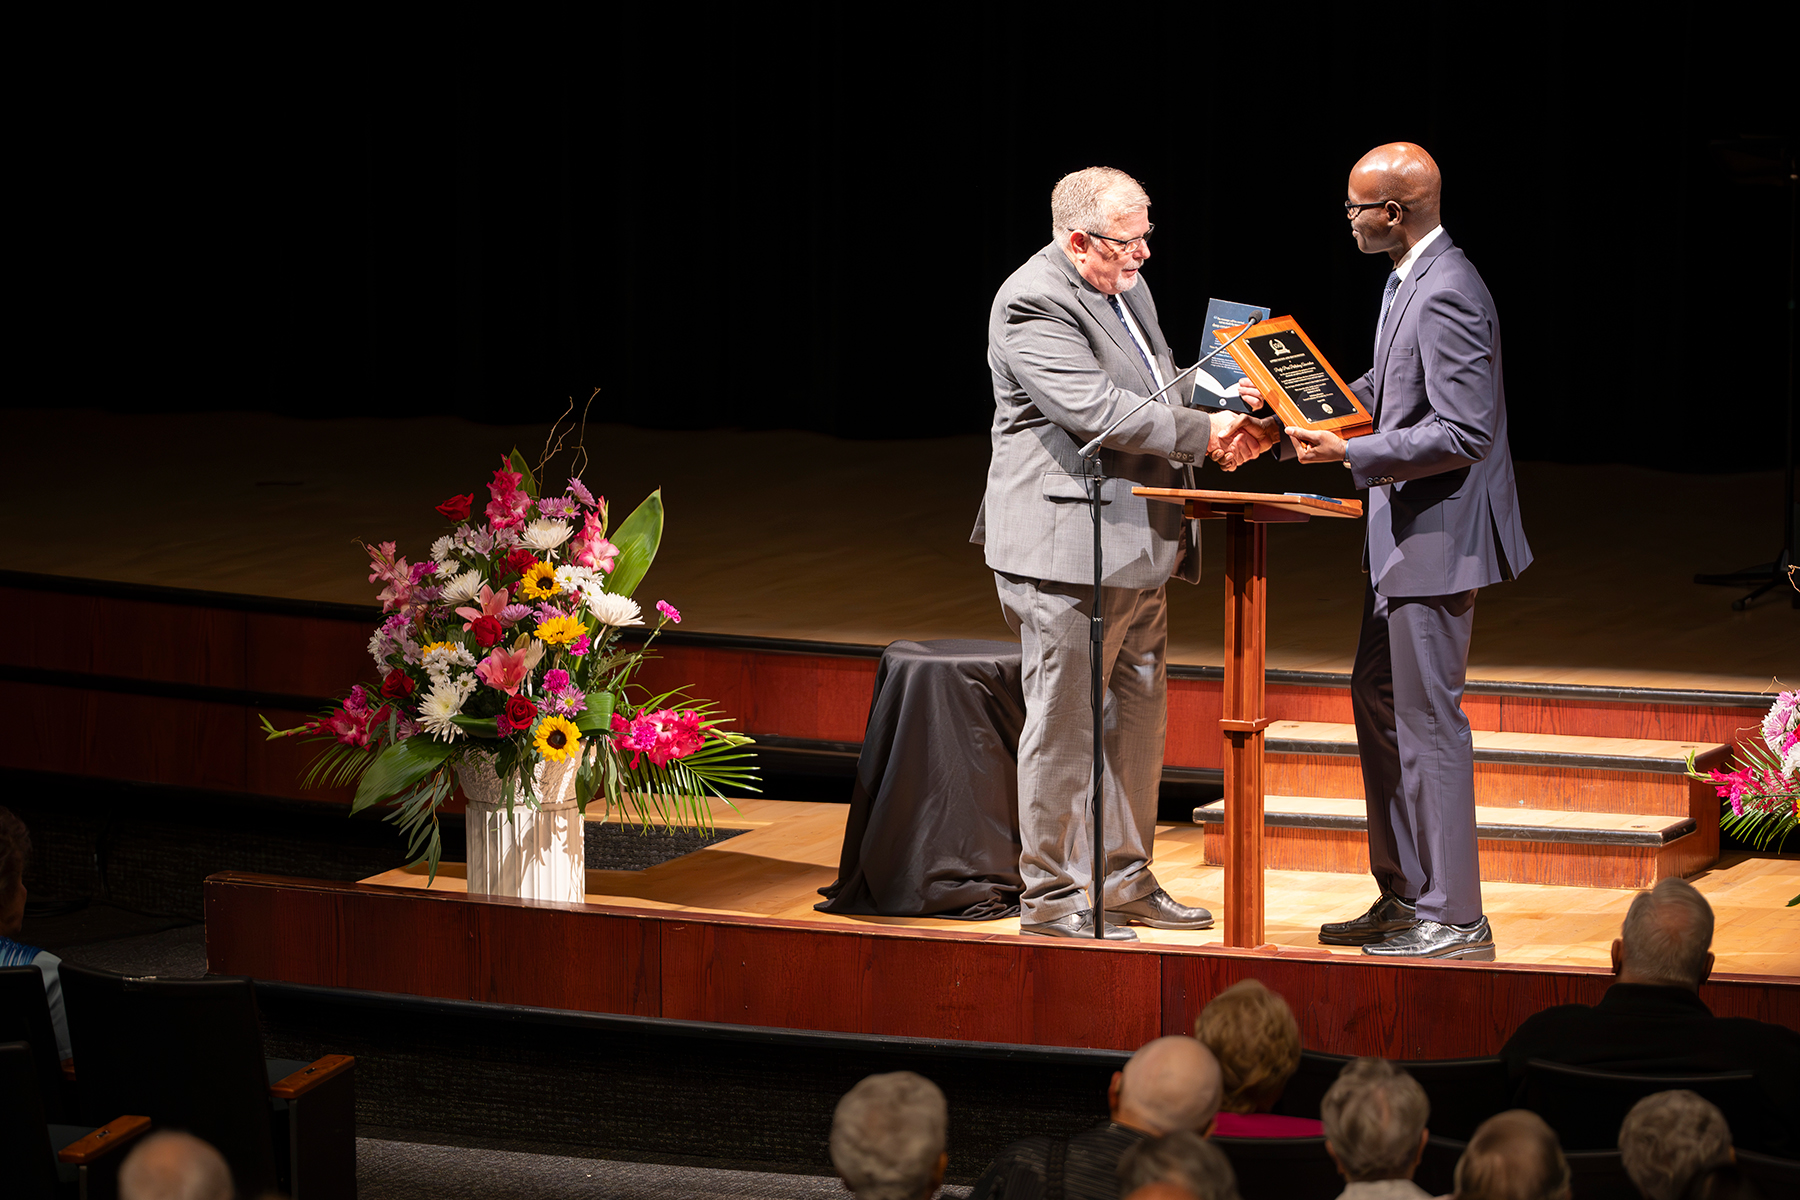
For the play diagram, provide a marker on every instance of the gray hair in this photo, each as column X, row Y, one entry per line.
column 1513, row 1156
column 887, row 1135
column 1374, row 1115
column 1668, row 1139
column 1184, row 1159
column 174, row 1166
column 1092, row 198
column 1667, row 932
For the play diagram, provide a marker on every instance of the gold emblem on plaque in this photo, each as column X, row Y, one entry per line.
column 1327, row 407
column 1276, row 345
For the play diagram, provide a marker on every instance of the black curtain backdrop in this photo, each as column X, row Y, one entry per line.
column 796, row 217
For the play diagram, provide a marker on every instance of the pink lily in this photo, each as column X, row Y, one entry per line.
column 505, row 670
column 491, row 603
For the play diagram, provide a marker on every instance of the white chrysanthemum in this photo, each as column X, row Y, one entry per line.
column 445, row 657
column 614, row 610
column 443, row 548
column 462, row 588
column 440, row 708
column 545, row 535
column 577, row 579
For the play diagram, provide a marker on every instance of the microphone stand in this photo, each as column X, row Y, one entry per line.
column 1096, row 475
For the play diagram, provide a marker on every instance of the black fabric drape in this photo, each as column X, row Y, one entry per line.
column 934, row 821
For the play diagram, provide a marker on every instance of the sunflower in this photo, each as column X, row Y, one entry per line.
column 557, row 738
column 539, row 582
column 559, row 631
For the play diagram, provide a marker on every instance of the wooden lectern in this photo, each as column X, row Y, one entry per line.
column 1246, row 516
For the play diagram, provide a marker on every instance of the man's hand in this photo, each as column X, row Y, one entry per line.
column 1237, row 438
column 1317, row 445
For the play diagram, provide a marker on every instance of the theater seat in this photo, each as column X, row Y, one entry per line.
column 189, row 1053
column 1599, row 1175
column 25, row 1017
column 1586, row 1107
column 48, row 1161
column 1282, row 1168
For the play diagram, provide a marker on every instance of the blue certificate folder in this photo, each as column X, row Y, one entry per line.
column 1223, row 314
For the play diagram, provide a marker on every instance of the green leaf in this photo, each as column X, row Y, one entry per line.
column 481, row 727
column 399, row 767
column 526, row 481
column 597, row 717
column 637, row 539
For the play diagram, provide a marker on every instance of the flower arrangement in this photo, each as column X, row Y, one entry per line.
column 503, row 650
column 1764, row 792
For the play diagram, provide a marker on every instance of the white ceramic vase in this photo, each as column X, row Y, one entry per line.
column 536, row 854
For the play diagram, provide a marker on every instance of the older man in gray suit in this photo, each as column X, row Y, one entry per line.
column 1443, row 522
column 1073, row 344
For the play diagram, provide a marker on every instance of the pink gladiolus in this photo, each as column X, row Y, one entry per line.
column 491, row 604
column 669, row 611
column 350, row 723
column 589, row 547
column 384, row 567
column 663, row 736
column 505, row 670
column 509, row 505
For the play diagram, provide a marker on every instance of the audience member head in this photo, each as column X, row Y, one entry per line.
column 1182, row 1160
column 1666, row 938
column 174, row 1166
column 1374, row 1119
column 1171, row 1083
column 1513, row 1156
column 15, row 852
column 1161, row 1191
column 887, row 1137
column 1671, row 1138
column 1253, row 1034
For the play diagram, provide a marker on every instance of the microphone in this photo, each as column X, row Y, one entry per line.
column 1093, row 447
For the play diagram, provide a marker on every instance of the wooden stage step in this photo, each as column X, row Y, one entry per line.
column 1518, row 845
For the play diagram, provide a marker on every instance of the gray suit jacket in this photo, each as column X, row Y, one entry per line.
column 1443, row 514
column 1064, row 368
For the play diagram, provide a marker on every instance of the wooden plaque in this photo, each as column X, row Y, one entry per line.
column 1295, row 379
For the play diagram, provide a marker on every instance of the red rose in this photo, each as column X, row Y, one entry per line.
column 519, row 714
column 487, row 631
column 518, row 562
column 456, row 508
column 398, row 685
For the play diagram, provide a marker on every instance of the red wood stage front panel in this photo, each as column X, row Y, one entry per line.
column 878, row 979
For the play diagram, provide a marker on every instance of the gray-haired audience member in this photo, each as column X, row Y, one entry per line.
column 1652, row 1021
column 1183, row 1160
column 887, row 1137
column 1375, row 1131
column 1513, row 1156
column 1671, row 1138
column 174, row 1166
column 1170, row 1084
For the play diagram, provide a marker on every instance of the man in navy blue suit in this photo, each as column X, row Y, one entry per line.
column 1443, row 522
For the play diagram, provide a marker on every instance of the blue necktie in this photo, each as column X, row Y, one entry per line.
column 1119, row 311
column 1387, row 301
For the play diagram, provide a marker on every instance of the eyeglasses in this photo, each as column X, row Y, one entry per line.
column 1125, row 245
column 1350, row 210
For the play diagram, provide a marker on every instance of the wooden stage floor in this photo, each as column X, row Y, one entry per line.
column 775, row 870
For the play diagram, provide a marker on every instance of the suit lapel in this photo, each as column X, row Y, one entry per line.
column 1103, row 315
column 1402, row 301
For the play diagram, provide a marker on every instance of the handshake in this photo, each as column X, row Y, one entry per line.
column 1238, row 437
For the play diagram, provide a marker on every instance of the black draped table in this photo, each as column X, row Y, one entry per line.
column 934, row 819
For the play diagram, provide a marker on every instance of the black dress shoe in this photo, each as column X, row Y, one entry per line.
column 1386, row 917
column 1429, row 939
column 1159, row 910
column 1078, row 925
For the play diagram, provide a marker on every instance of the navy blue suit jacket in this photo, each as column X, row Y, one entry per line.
column 1443, row 511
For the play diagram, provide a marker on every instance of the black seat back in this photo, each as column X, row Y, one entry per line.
column 30, row 1163
column 25, row 1017
column 1771, row 1176
column 1282, row 1168
column 187, row 1053
column 1463, row 1092
column 1599, row 1175
column 1311, row 1080
column 1586, row 1107
column 1437, row 1166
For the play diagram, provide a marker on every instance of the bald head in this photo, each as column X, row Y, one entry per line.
column 1404, row 172
column 1393, row 193
column 1170, row 1084
column 174, row 1166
